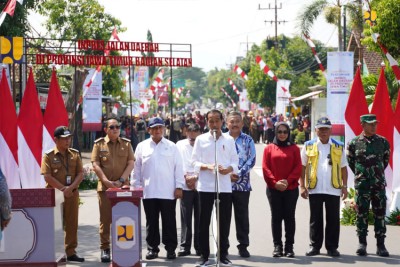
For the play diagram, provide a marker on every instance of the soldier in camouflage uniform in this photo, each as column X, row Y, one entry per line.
column 368, row 156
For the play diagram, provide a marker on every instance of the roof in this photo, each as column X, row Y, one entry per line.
column 307, row 95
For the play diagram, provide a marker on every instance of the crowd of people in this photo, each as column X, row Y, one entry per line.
column 216, row 147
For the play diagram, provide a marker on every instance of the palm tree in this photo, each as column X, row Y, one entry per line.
column 331, row 10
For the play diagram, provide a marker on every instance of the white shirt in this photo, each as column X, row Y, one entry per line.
column 185, row 149
column 324, row 170
column 158, row 168
column 204, row 153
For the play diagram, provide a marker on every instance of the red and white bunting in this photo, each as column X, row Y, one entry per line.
column 9, row 9
column 239, row 71
column 228, row 96
column 393, row 63
column 157, row 81
column 234, row 86
column 312, row 46
column 265, row 68
column 114, row 37
column 178, row 93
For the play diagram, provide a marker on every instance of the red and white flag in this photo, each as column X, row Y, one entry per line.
column 157, row 81
column 356, row 106
column 55, row 114
column 239, row 71
column 265, row 68
column 382, row 108
column 9, row 9
column 396, row 147
column 8, row 135
column 30, row 132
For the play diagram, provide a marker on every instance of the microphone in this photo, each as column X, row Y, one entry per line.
column 214, row 133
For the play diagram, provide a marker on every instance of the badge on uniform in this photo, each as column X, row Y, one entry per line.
column 69, row 179
column 104, row 158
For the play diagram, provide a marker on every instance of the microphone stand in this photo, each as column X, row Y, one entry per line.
column 217, row 198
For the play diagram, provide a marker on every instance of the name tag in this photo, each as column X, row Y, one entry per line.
column 124, row 194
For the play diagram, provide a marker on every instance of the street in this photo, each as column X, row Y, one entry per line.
column 261, row 246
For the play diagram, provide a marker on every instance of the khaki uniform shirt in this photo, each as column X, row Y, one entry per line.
column 56, row 164
column 113, row 157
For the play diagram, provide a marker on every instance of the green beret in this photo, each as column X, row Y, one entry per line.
column 368, row 118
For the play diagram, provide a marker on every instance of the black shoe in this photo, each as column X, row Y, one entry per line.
column 225, row 262
column 105, row 255
column 278, row 251
column 289, row 252
column 202, row 262
column 171, row 255
column 312, row 252
column 183, row 253
column 244, row 253
column 381, row 250
column 198, row 253
column 333, row 253
column 151, row 255
column 75, row 258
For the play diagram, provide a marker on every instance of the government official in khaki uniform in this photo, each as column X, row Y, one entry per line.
column 113, row 161
column 62, row 169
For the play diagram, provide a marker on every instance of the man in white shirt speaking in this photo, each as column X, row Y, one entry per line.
column 159, row 169
column 208, row 147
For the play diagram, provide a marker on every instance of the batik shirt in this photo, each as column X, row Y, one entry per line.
column 247, row 159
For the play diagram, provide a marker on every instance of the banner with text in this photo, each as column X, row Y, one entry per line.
column 340, row 75
column 141, row 89
column 282, row 96
column 92, row 104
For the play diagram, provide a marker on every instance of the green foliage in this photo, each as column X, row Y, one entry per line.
column 349, row 214
column 394, row 217
column 299, row 136
column 89, row 178
column 387, row 25
column 18, row 25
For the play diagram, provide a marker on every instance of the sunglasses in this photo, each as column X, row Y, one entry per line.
column 282, row 132
column 329, row 159
column 112, row 127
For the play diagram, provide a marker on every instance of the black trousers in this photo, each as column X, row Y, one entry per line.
column 225, row 213
column 190, row 207
column 332, row 228
column 240, row 202
column 283, row 208
column 152, row 208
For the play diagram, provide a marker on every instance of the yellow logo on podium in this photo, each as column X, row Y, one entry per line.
column 125, row 233
column 11, row 49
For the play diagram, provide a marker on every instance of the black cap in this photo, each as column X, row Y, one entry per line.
column 62, row 131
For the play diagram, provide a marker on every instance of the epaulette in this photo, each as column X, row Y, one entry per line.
column 49, row 151
column 126, row 139
column 75, row 150
column 98, row 140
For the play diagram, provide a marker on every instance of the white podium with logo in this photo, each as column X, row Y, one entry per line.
column 126, row 228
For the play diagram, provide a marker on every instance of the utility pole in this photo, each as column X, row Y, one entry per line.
column 276, row 21
column 247, row 44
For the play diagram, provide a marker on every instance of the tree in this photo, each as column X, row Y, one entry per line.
column 18, row 25
column 74, row 20
column 387, row 25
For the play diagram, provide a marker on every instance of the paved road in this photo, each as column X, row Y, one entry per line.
column 260, row 237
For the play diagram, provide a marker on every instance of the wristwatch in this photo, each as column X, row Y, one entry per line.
column 122, row 180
